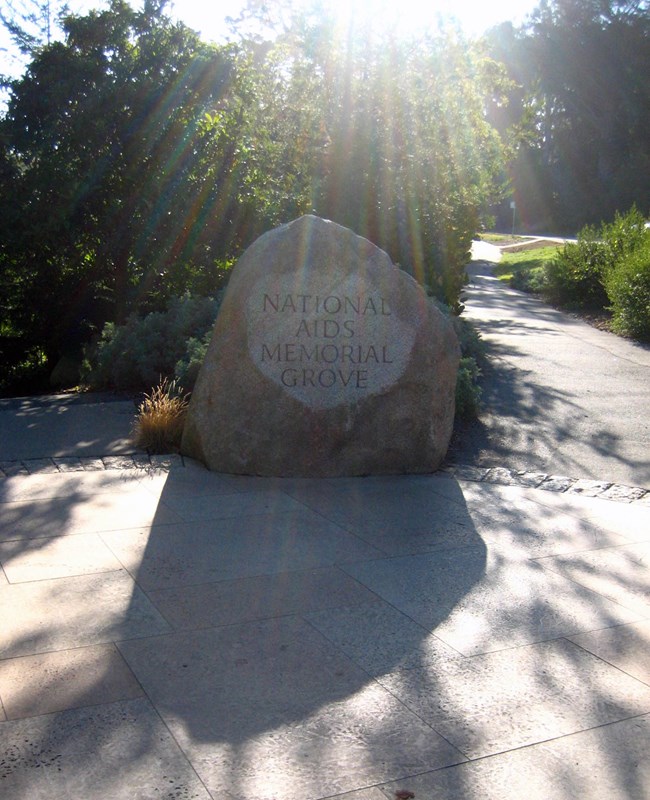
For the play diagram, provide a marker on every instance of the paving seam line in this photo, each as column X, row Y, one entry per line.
column 499, row 476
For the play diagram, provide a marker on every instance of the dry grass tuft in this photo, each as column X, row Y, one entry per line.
column 161, row 415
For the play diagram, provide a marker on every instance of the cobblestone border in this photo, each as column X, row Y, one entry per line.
column 500, row 476
column 41, row 466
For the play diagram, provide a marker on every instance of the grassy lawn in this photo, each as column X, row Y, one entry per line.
column 501, row 238
column 525, row 269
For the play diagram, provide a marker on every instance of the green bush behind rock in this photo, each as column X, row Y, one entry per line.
column 162, row 344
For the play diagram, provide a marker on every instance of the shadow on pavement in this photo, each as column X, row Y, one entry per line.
column 556, row 399
column 198, row 635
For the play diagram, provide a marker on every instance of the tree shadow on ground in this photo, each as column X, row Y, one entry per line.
column 299, row 639
column 539, row 415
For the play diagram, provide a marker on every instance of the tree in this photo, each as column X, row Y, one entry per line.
column 101, row 146
column 138, row 161
column 389, row 137
column 581, row 66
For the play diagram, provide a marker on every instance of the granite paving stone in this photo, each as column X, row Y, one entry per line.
column 625, row 646
column 61, row 557
column 376, row 513
column 589, row 488
column 379, row 638
column 633, row 523
column 604, row 763
column 172, row 632
column 531, row 479
column 516, row 533
column 40, row 465
column 190, row 480
column 118, row 462
column 166, row 460
column 10, row 468
column 77, row 486
column 621, row 574
column 502, row 476
column 118, row 751
column 373, row 793
column 91, row 464
column 49, row 682
column 623, row 494
column 478, row 602
column 272, row 709
column 64, row 613
column 340, row 746
column 69, row 464
column 164, row 556
column 528, row 694
column 261, row 597
column 557, row 483
column 194, row 508
column 59, row 516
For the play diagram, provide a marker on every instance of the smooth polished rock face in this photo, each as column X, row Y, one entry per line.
column 326, row 360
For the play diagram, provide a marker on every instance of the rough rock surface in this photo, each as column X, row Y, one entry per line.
column 326, row 360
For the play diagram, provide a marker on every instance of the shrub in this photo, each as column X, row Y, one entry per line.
column 473, row 357
column 161, row 415
column 187, row 368
column 471, row 344
column 136, row 354
column 628, row 287
column 468, row 390
column 576, row 277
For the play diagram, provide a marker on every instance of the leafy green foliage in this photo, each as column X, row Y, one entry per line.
column 144, row 350
column 473, row 358
column 188, row 366
column 100, row 191
column 138, row 162
column 577, row 276
column 574, row 277
column 628, row 288
column 576, row 111
column 411, row 162
column 468, row 389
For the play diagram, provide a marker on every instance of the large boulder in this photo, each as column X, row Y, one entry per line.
column 326, row 360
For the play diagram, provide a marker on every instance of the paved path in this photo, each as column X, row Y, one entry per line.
column 65, row 425
column 560, row 395
column 168, row 632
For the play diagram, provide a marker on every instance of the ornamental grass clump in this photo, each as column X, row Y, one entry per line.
column 161, row 415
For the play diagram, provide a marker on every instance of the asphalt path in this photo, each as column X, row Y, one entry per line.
column 65, row 425
column 560, row 396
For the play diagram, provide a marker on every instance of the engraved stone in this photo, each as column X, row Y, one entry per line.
column 326, row 360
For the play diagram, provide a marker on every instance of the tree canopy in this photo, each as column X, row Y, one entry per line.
column 138, row 161
column 579, row 107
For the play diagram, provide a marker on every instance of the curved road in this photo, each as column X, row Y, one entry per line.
column 560, row 396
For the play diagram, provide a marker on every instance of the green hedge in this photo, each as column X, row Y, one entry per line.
column 608, row 268
column 628, row 287
column 145, row 350
column 579, row 275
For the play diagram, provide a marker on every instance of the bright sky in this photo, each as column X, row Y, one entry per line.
column 208, row 16
column 475, row 16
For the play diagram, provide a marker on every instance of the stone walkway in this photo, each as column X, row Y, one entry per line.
column 495, row 475
column 168, row 632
